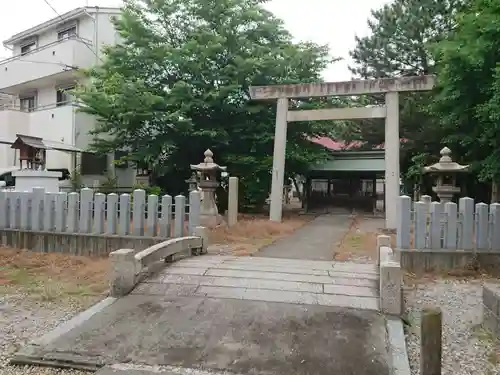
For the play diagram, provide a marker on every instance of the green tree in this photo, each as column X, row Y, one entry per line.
column 402, row 35
column 468, row 100
column 177, row 84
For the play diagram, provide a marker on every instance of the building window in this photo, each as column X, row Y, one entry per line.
column 8, row 178
column 27, row 48
column 93, row 164
column 118, row 162
column 63, row 96
column 28, row 103
column 66, row 33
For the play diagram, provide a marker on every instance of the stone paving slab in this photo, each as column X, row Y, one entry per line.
column 285, row 281
column 245, row 283
column 294, row 263
column 272, row 280
column 254, row 266
column 294, row 277
column 285, row 267
column 302, row 298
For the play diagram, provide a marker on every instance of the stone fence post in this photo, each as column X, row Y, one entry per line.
column 203, row 233
column 232, row 206
column 382, row 240
column 391, row 280
column 123, row 272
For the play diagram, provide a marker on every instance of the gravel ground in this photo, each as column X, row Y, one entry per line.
column 467, row 349
column 22, row 319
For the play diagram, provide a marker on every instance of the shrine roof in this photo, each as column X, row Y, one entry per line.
column 27, row 140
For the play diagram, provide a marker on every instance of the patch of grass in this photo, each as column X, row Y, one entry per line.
column 413, row 319
column 356, row 242
column 252, row 232
column 42, row 286
column 481, row 333
column 469, row 272
column 52, row 276
column 360, row 239
column 487, row 336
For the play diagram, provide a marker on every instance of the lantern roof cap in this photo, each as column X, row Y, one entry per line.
column 208, row 163
column 446, row 164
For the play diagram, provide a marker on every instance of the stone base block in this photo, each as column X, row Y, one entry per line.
column 491, row 309
column 211, row 221
column 123, row 272
column 443, row 261
column 27, row 179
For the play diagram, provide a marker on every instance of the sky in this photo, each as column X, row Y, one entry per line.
column 332, row 22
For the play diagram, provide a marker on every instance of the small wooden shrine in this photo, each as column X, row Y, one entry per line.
column 32, row 151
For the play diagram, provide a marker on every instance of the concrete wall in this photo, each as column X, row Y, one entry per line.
column 443, row 261
column 466, row 226
column 99, row 245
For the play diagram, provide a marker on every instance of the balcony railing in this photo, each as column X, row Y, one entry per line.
column 12, row 107
column 26, row 56
column 61, row 57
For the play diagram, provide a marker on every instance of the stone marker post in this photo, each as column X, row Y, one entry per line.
column 232, row 206
column 430, row 342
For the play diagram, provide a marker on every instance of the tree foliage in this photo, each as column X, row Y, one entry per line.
column 402, row 36
column 468, row 100
column 177, row 84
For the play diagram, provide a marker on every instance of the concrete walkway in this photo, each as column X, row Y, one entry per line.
column 244, row 315
column 314, row 241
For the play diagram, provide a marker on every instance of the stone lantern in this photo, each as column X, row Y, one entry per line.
column 208, row 172
column 192, row 182
column 446, row 172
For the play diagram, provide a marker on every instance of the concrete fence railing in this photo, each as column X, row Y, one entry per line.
column 436, row 237
column 433, row 225
column 89, row 223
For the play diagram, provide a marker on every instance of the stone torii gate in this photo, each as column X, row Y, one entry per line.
column 388, row 86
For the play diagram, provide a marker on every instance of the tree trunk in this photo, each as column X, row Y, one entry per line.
column 296, row 184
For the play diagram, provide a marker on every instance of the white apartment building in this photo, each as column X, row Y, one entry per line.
column 45, row 64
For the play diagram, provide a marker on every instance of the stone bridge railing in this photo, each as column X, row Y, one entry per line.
column 128, row 267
